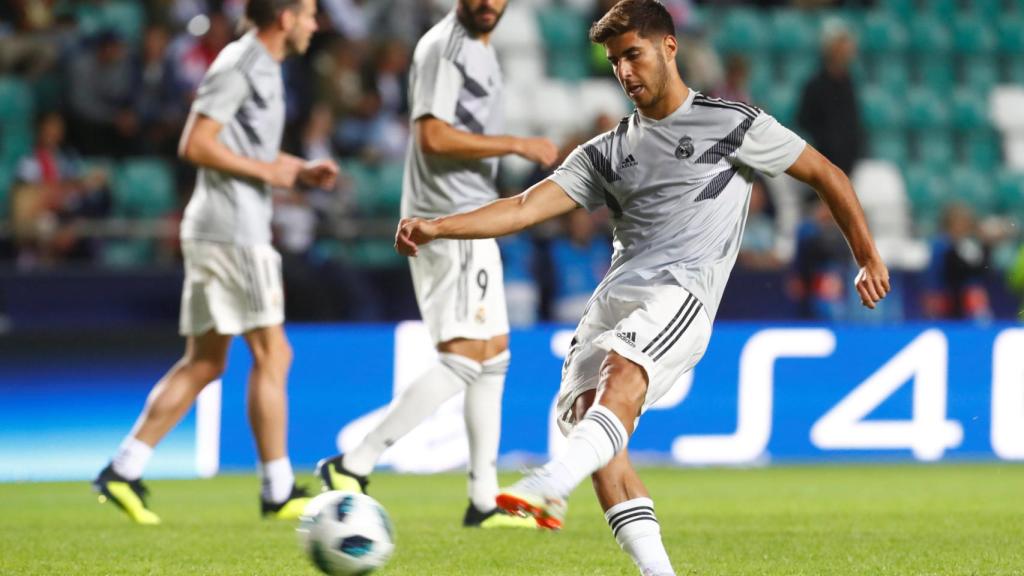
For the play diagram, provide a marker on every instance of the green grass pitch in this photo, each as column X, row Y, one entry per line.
column 849, row 520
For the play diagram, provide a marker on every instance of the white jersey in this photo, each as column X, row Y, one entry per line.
column 454, row 78
column 244, row 92
column 678, row 189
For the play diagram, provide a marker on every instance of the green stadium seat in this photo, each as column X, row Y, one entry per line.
column 16, row 104
column 974, row 188
column 945, row 10
column 936, row 73
column 928, row 192
column 794, row 70
column 889, row 145
column 980, row 73
column 891, row 72
column 881, row 108
column 936, row 149
column 903, row 9
column 793, row 31
column 741, row 30
column 1013, row 70
column 973, row 36
column 125, row 17
column 988, row 10
column 970, row 108
column 143, row 188
column 883, row 33
column 929, row 35
column 15, row 141
column 782, row 102
column 128, row 253
column 564, row 32
column 1010, row 190
column 373, row 253
column 926, row 109
column 981, row 150
column 6, row 179
column 1010, row 30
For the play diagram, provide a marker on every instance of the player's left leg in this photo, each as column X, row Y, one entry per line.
column 268, row 417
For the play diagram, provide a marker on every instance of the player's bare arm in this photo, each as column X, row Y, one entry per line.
column 437, row 137
column 835, row 190
column 200, row 146
column 541, row 202
column 315, row 173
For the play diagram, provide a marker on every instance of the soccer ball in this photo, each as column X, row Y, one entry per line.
column 345, row 533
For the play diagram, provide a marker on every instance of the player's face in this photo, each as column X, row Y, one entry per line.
column 481, row 16
column 641, row 65
column 303, row 25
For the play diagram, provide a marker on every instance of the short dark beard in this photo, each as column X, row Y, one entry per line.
column 465, row 16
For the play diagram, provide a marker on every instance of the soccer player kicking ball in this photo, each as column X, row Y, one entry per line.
column 676, row 175
column 232, row 274
column 455, row 89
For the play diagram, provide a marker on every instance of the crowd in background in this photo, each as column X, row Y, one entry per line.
column 111, row 84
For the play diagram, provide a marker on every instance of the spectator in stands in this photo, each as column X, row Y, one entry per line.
column 757, row 250
column 101, row 93
column 158, row 102
column 192, row 56
column 736, row 85
column 53, row 192
column 821, row 264
column 828, row 110
column 955, row 278
column 580, row 259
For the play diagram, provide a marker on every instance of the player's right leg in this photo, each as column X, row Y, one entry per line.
column 120, row 482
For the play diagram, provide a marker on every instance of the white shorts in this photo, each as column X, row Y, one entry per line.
column 661, row 327
column 459, row 289
column 230, row 289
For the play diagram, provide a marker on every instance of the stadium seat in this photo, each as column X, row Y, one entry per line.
column 945, row 10
column 973, row 36
column 883, row 33
column 1010, row 30
column 970, row 108
column 881, row 108
column 926, row 109
column 16, row 104
column 794, row 70
column 981, row 150
column 936, row 149
column 988, row 10
column 125, row 17
column 980, row 73
column 1013, row 70
column 6, row 179
column 15, row 141
column 929, row 35
column 519, row 30
column 782, row 102
column 889, row 145
column 928, row 192
column 902, row 9
column 974, row 188
column 554, row 105
column 1010, row 191
column 741, row 30
column 602, row 96
column 793, row 32
column 936, row 73
column 891, row 72
column 564, row 32
column 143, row 188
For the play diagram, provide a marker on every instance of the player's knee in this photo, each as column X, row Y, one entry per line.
column 207, row 369
column 622, row 381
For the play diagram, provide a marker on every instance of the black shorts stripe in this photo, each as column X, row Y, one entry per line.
column 615, row 531
column 618, row 515
column 613, row 432
column 677, row 321
column 669, row 325
column 681, row 332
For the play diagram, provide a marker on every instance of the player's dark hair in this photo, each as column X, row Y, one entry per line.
column 263, row 13
column 648, row 18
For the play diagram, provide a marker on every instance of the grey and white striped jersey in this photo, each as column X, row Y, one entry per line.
column 678, row 188
column 244, row 92
column 455, row 78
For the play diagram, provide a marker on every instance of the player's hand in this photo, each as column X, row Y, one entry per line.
column 872, row 283
column 539, row 150
column 284, row 171
column 319, row 174
column 413, row 233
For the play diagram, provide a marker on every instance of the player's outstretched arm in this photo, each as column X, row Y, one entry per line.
column 835, row 190
column 200, row 146
column 505, row 216
column 437, row 137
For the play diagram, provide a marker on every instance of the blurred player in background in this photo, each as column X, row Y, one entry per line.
column 232, row 274
column 456, row 101
column 676, row 175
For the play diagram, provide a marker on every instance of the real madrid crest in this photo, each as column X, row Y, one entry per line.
column 685, row 148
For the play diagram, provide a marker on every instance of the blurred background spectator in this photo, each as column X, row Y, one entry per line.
column 918, row 101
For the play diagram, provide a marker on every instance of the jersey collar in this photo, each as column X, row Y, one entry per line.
column 682, row 109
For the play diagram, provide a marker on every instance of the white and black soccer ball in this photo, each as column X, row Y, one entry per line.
column 345, row 533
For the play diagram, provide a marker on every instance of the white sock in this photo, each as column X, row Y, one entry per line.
column 597, row 438
column 278, row 480
column 483, row 427
column 637, row 531
column 445, row 379
column 131, row 458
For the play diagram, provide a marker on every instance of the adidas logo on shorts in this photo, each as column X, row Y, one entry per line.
column 628, row 162
column 627, row 337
